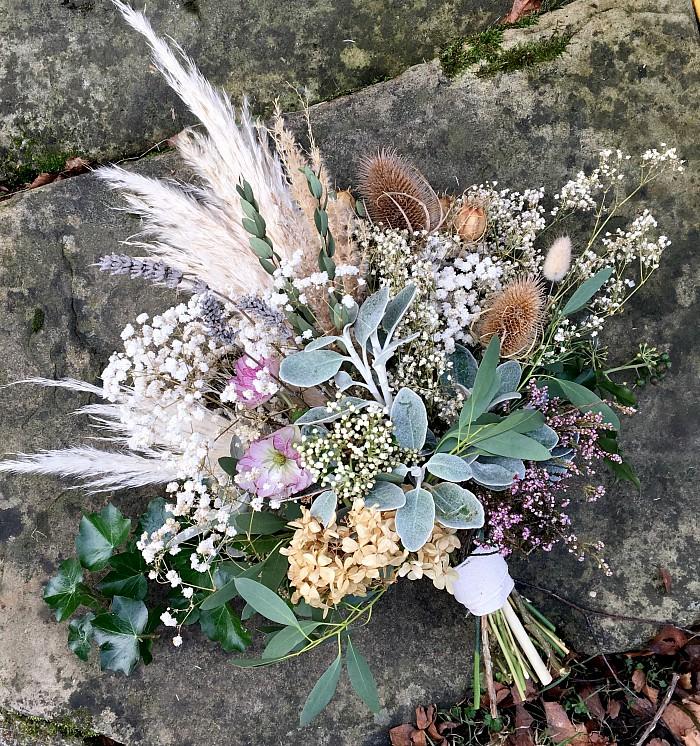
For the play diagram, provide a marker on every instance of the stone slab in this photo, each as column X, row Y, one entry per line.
column 629, row 76
column 75, row 80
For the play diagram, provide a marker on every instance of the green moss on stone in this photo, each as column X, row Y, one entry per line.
column 523, row 56
column 462, row 53
column 77, row 725
column 24, row 159
column 37, row 322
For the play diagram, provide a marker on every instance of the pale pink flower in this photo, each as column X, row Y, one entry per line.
column 271, row 467
column 253, row 382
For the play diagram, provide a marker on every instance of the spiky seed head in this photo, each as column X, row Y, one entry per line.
column 397, row 194
column 515, row 315
column 558, row 260
column 470, row 222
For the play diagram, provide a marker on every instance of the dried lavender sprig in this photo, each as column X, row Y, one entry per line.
column 256, row 307
column 212, row 313
column 148, row 269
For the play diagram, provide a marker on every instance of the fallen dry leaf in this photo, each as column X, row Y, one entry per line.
column 681, row 721
column 613, row 708
column 685, row 681
column 665, row 577
column 523, row 723
column 522, row 8
column 639, row 679
column 658, row 742
column 592, row 700
column 641, row 707
column 426, row 731
column 560, row 728
column 668, row 641
column 401, row 735
column 42, row 180
column 74, row 166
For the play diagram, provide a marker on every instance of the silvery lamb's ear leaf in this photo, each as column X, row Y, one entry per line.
column 317, row 415
column 561, row 452
column 397, row 307
column 456, row 507
column 464, row 366
column 320, row 342
column 388, row 351
column 370, row 315
column 497, row 472
column 410, row 419
column 415, row 519
column 343, row 380
column 385, row 496
column 401, row 470
column 449, row 467
column 324, row 507
column 509, row 373
column 310, row 368
column 504, row 397
column 544, row 435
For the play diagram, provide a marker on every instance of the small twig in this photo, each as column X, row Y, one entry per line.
column 600, row 612
column 488, row 666
column 661, row 710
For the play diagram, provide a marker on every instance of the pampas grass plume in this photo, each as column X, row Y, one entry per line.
column 558, row 260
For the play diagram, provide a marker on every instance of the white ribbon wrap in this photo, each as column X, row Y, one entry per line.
column 483, row 582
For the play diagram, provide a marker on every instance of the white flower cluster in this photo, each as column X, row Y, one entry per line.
column 161, row 384
column 461, row 288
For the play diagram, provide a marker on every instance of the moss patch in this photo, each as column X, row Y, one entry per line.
column 484, row 49
column 37, row 322
column 25, row 158
column 76, row 725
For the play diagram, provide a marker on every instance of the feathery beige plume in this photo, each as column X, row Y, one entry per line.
column 397, row 194
column 558, row 260
column 515, row 315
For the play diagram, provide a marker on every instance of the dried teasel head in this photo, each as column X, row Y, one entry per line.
column 515, row 315
column 397, row 194
column 470, row 222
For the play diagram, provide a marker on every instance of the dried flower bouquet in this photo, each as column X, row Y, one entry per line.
column 351, row 392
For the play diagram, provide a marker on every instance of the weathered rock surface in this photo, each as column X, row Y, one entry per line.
column 629, row 77
column 75, row 80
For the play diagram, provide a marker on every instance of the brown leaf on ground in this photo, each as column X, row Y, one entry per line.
column 693, row 654
column 668, row 641
column 560, row 728
column 520, row 9
column 401, row 735
column 523, row 723
column 658, row 742
column 665, row 578
column 613, row 708
column 685, row 681
column 641, row 707
column 426, row 731
column 75, row 166
column 592, row 700
column 42, row 180
column 639, row 679
column 681, row 720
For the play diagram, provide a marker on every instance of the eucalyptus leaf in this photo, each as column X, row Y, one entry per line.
column 583, row 399
column 118, row 634
column 449, row 467
column 265, row 602
column 586, row 291
column 385, row 496
column 486, row 385
column 309, row 368
column 287, row 639
column 322, row 693
column 415, row 519
column 456, row 507
column 370, row 315
column 361, row 677
column 324, row 507
column 99, row 535
column 514, row 445
column 410, row 419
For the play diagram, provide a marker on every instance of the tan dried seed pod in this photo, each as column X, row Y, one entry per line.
column 470, row 222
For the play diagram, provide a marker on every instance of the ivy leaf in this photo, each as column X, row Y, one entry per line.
column 80, row 635
column 228, row 465
column 361, row 678
column 99, row 535
column 322, row 693
column 126, row 577
column 224, row 626
column 65, row 591
column 154, row 517
column 118, row 634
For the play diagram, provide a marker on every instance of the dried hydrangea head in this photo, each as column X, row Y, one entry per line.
column 397, row 194
column 326, row 564
column 515, row 315
column 558, row 260
column 432, row 560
